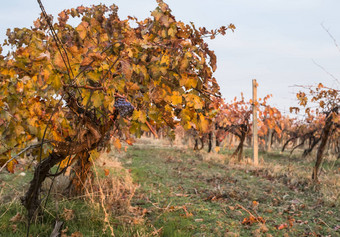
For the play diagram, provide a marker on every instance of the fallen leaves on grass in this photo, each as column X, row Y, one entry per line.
column 184, row 208
column 231, row 234
column 259, row 231
column 187, row 214
column 216, row 197
column 77, row 234
column 252, row 219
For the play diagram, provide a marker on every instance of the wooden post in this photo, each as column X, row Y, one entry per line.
column 255, row 138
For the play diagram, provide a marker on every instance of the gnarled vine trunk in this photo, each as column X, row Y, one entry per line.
column 81, row 173
column 31, row 199
column 324, row 137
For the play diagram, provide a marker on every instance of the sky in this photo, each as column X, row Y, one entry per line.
column 280, row 43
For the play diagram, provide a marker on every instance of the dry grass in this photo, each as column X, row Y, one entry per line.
column 112, row 187
column 110, row 192
column 293, row 171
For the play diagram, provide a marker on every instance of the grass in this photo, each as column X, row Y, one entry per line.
column 184, row 193
column 188, row 196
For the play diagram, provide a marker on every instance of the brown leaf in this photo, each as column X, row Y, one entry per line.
column 64, row 232
column 77, row 234
column 14, row 228
column 126, row 69
column 16, row 218
column 68, row 214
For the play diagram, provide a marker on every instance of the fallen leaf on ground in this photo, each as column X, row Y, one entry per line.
column 107, row 172
column 252, row 219
column 255, row 204
column 282, row 226
column 68, row 214
column 16, row 218
column 14, row 228
column 77, row 234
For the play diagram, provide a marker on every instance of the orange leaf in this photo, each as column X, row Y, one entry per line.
column 255, row 203
column 129, row 141
column 117, row 144
column 82, row 29
column 107, row 172
column 282, row 226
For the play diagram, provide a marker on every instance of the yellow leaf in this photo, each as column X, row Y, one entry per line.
column 67, row 161
column 176, row 99
column 136, row 114
column 94, row 154
column 188, row 82
column 97, row 99
column 172, row 32
column 142, row 117
column 139, row 116
column 19, row 130
column 157, row 14
column 204, row 124
column 165, row 60
column 20, row 87
column 11, row 165
column 194, row 101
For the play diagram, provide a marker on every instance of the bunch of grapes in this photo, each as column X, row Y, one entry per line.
column 124, row 107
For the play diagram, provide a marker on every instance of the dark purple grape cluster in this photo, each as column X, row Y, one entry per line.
column 124, row 107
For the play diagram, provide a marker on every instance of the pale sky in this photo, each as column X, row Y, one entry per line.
column 275, row 42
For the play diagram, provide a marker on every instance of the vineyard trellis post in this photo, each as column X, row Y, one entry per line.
column 255, row 137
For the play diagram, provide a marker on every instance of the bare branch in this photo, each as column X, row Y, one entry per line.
column 85, row 87
column 330, row 74
column 23, row 151
column 330, row 35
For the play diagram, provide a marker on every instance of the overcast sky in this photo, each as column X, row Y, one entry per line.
column 278, row 42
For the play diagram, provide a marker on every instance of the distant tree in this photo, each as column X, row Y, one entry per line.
column 324, row 102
